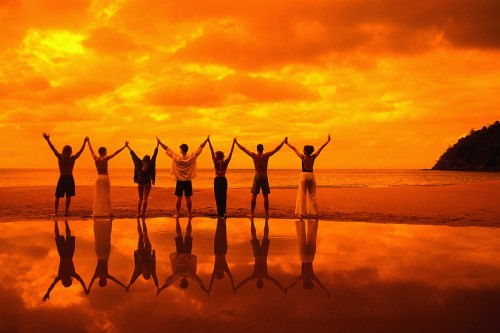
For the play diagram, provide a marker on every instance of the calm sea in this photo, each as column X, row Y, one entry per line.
column 242, row 178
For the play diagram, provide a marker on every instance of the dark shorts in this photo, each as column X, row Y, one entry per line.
column 183, row 246
column 183, row 186
column 65, row 186
column 260, row 181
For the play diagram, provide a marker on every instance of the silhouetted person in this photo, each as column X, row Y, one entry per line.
column 66, row 182
column 306, row 194
column 307, row 251
column 260, row 180
column 184, row 170
column 102, row 235
column 260, row 253
column 144, row 176
column 144, row 257
column 220, row 250
column 184, row 264
column 66, row 250
column 220, row 181
column 102, row 191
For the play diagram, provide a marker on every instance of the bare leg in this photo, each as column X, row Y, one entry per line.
column 252, row 203
column 253, row 232
column 189, row 205
column 178, row 206
column 145, row 201
column 68, row 231
column 178, row 229
column 68, row 202
column 56, row 206
column 140, row 190
column 189, row 228
column 266, row 204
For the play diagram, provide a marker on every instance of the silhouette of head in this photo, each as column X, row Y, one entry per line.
column 103, row 282
column 67, row 150
column 184, row 148
column 146, row 274
column 219, row 156
column 67, row 281
column 184, row 283
column 308, row 150
column 102, row 151
column 260, row 283
column 308, row 284
column 260, row 148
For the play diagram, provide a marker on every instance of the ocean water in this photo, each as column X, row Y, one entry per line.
column 242, row 178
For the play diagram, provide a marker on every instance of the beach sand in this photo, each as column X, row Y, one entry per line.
column 474, row 204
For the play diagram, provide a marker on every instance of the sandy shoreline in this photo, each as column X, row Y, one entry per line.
column 474, row 204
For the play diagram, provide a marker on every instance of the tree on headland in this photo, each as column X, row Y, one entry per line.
column 478, row 151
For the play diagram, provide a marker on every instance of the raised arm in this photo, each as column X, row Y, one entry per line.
column 323, row 146
column 242, row 283
column 91, row 283
column 248, row 152
column 270, row 278
column 275, row 150
column 211, row 150
column 47, row 138
column 78, row 153
column 76, row 276
column 294, row 282
column 228, row 158
column 158, row 142
column 205, row 142
column 299, row 154
column 91, row 150
column 322, row 287
column 117, row 152
column 167, row 283
column 115, row 280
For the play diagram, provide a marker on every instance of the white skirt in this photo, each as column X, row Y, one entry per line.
column 102, row 196
column 306, row 195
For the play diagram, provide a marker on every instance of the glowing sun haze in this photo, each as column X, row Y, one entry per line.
column 394, row 82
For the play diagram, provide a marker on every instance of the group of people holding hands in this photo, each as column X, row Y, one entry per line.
column 184, row 170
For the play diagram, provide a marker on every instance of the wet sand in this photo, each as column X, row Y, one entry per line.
column 474, row 204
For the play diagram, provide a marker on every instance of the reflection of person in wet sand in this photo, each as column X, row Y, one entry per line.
column 66, row 250
column 306, row 194
column 307, row 251
column 260, row 253
column 184, row 264
column 102, row 234
column 220, row 250
column 144, row 176
column 66, row 182
column 260, row 180
column 144, row 256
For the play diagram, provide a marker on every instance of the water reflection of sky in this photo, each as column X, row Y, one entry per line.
column 380, row 277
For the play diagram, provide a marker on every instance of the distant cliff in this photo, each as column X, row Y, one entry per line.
column 478, row 151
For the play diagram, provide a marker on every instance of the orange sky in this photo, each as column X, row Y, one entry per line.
column 394, row 82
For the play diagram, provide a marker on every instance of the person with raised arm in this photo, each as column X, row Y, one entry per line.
column 184, row 170
column 66, row 250
column 220, row 181
column 306, row 194
column 144, row 176
column 221, row 268
column 66, row 182
column 260, row 180
column 102, row 190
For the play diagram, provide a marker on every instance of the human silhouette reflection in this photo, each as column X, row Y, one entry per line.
column 66, row 250
column 102, row 235
column 144, row 256
column 183, row 262
column 260, row 253
column 307, row 251
column 220, row 251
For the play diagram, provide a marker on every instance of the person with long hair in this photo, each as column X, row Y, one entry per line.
column 144, row 176
column 306, row 195
column 102, row 191
column 66, row 182
column 220, row 180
